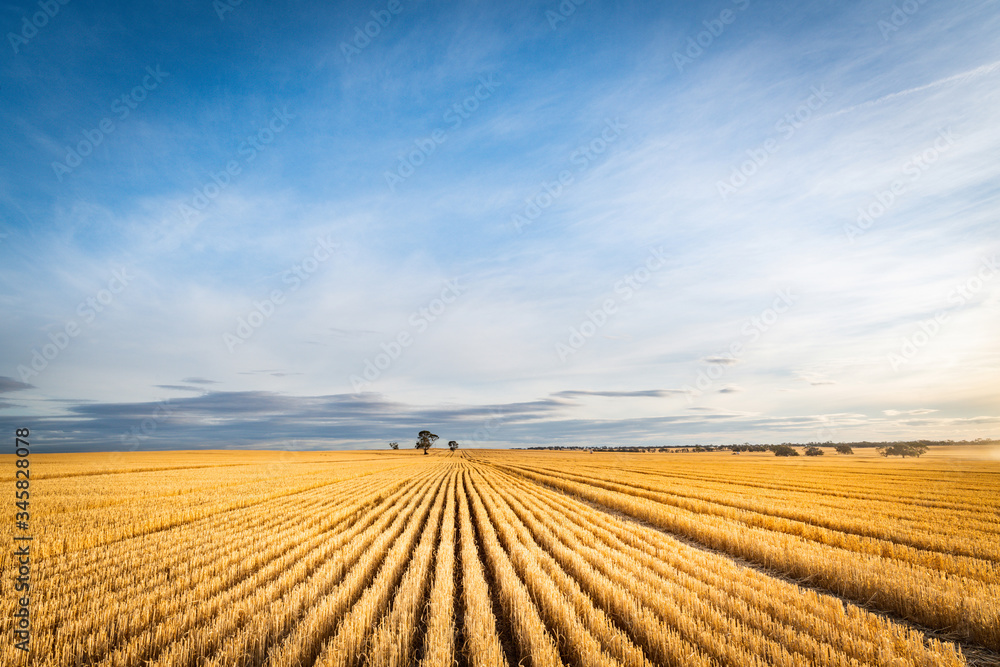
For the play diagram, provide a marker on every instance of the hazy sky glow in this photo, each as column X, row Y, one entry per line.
column 256, row 225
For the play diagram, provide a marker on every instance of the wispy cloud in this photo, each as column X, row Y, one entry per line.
column 723, row 361
column 10, row 384
column 646, row 393
column 962, row 77
column 896, row 413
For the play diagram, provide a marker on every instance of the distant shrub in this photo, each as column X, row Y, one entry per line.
column 844, row 449
column 814, row 451
column 784, row 450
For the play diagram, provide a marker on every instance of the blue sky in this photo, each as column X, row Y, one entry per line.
column 255, row 225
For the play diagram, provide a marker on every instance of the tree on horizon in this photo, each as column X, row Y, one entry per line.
column 903, row 449
column 425, row 440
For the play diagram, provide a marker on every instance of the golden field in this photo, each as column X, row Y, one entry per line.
column 488, row 557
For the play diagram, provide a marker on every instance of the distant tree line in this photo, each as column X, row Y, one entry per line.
column 913, row 448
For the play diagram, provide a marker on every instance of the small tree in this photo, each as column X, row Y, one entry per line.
column 784, row 450
column 425, row 439
column 393, row 445
column 844, row 449
column 814, row 451
column 903, row 449
column 452, row 445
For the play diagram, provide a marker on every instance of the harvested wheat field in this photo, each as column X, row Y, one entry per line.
column 486, row 558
